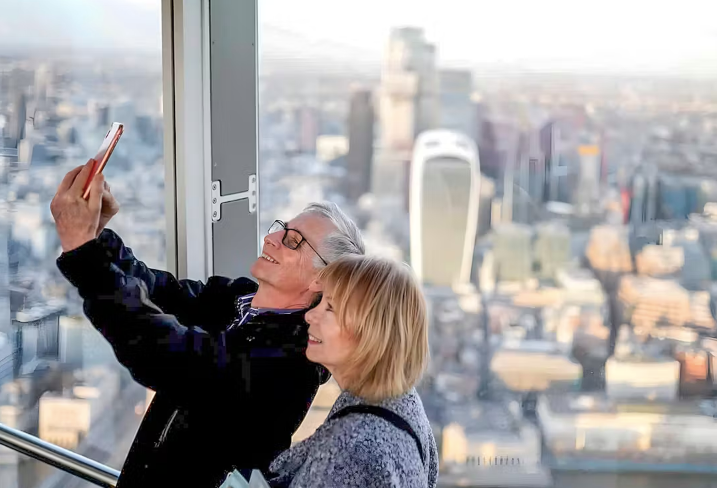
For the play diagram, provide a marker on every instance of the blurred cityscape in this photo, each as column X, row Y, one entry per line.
column 564, row 227
column 59, row 379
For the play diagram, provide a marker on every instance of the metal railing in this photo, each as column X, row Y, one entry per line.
column 63, row 459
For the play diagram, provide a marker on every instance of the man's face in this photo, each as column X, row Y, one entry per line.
column 292, row 270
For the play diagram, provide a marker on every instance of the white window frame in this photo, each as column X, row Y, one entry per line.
column 186, row 56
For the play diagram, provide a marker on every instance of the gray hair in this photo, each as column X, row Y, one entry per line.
column 346, row 239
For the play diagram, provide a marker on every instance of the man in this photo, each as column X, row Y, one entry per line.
column 225, row 358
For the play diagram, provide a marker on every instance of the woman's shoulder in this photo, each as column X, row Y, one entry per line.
column 365, row 435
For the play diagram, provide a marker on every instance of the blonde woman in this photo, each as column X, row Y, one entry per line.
column 370, row 332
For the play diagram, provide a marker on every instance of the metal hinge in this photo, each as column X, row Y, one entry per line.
column 218, row 198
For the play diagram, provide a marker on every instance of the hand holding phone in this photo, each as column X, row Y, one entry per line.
column 103, row 155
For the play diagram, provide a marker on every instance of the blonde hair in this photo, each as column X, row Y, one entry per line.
column 380, row 303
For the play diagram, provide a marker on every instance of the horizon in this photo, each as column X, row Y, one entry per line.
column 557, row 36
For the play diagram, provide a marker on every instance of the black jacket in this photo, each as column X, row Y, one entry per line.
column 224, row 399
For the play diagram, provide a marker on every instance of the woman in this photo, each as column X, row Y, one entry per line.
column 370, row 332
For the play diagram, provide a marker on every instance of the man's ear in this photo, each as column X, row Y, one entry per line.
column 315, row 302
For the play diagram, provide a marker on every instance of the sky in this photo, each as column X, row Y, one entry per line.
column 573, row 35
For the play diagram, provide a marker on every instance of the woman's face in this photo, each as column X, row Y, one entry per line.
column 329, row 344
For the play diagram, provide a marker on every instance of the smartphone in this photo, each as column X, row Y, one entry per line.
column 103, row 155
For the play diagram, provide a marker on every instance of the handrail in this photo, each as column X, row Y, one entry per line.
column 63, row 459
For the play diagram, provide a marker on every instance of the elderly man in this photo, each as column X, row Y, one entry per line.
column 226, row 358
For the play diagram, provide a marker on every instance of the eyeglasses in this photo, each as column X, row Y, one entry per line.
column 292, row 238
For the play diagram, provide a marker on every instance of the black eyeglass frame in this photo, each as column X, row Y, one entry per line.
column 303, row 239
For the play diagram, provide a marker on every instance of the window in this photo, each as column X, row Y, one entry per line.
column 588, row 230
column 64, row 78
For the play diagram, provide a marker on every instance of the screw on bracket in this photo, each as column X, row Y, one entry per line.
column 218, row 198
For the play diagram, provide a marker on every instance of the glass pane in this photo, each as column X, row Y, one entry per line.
column 67, row 71
column 548, row 169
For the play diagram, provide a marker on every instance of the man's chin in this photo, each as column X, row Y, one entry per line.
column 261, row 270
column 256, row 270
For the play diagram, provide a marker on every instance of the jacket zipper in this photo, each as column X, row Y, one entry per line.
column 165, row 431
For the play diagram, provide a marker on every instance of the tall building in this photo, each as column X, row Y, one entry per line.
column 308, row 129
column 524, row 180
column 590, row 172
column 456, row 111
column 556, row 143
column 44, row 82
column 409, row 72
column 444, row 200
column 37, row 333
column 408, row 106
column 487, row 195
column 360, row 128
column 18, row 118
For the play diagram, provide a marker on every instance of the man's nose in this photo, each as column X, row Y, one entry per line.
column 274, row 239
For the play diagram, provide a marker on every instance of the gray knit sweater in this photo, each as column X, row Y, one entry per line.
column 363, row 450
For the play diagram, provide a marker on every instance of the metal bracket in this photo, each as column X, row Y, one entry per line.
column 218, row 198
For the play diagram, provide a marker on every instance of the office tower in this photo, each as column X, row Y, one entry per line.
column 308, row 129
column 555, row 141
column 408, row 106
column 38, row 336
column 456, row 111
column 526, row 176
column 360, row 156
column 487, row 195
column 638, row 200
column 445, row 193
column 651, row 194
column 588, row 189
column 16, row 127
column 409, row 78
column 44, row 81
column 512, row 249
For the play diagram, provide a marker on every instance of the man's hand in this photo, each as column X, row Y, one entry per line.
column 110, row 207
column 77, row 219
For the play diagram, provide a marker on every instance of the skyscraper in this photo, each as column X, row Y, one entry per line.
column 588, row 190
column 409, row 86
column 444, row 200
column 308, row 129
column 408, row 106
column 557, row 170
column 456, row 111
column 360, row 128
column 18, row 118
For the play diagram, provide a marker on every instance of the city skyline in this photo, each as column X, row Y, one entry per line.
column 639, row 37
column 593, row 273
